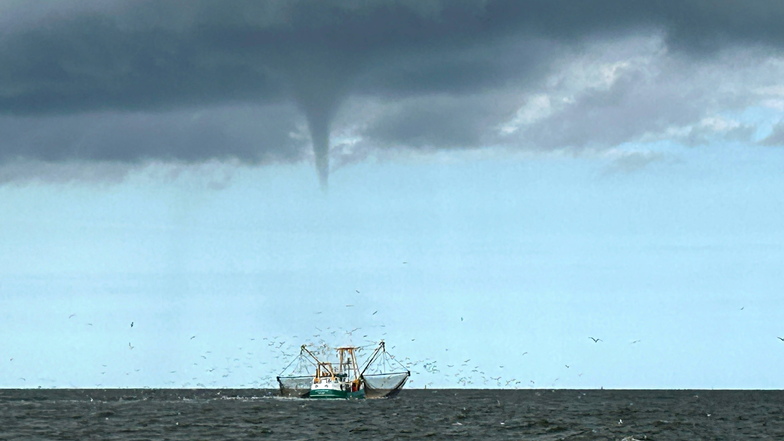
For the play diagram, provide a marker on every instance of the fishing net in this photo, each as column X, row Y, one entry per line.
column 296, row 378
column 384, row 385
column 384, row 376
column 295, row 386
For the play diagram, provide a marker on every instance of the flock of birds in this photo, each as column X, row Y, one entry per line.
column 257, row 364
column 202, row 371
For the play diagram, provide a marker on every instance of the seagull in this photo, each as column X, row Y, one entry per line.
column 595, row 340
column 72, row 315
column 192, row 337
column 131, row 324
column 780, row 338
column 129, row 346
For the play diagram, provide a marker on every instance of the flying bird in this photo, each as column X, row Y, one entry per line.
column 595, row 340
column 72, row 315
column 780, row 338
column 131, row 324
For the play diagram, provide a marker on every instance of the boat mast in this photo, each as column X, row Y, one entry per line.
column 348, row 361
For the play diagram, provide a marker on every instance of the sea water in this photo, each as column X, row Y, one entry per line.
column 209, row 414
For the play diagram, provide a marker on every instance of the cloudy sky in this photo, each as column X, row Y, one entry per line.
column 485, row 184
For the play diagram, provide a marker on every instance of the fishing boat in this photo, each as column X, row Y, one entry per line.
column 381, row 376
column 341, row 381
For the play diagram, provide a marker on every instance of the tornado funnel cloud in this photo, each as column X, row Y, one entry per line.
column 318, row 85
column 319, row 110
column 319, row 135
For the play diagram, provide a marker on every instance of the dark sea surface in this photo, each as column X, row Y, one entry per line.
column 208, row 414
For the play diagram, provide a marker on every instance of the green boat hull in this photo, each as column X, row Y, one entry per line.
column 335, row 394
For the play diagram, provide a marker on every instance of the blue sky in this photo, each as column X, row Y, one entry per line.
column 549, row 252
column 485, row 216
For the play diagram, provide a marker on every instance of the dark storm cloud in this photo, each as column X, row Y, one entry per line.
column 705, row 26
column 437, row 121
column 250, row 135
column 116, row 81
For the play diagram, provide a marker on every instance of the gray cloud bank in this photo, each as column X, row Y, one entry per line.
column 131, row 82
